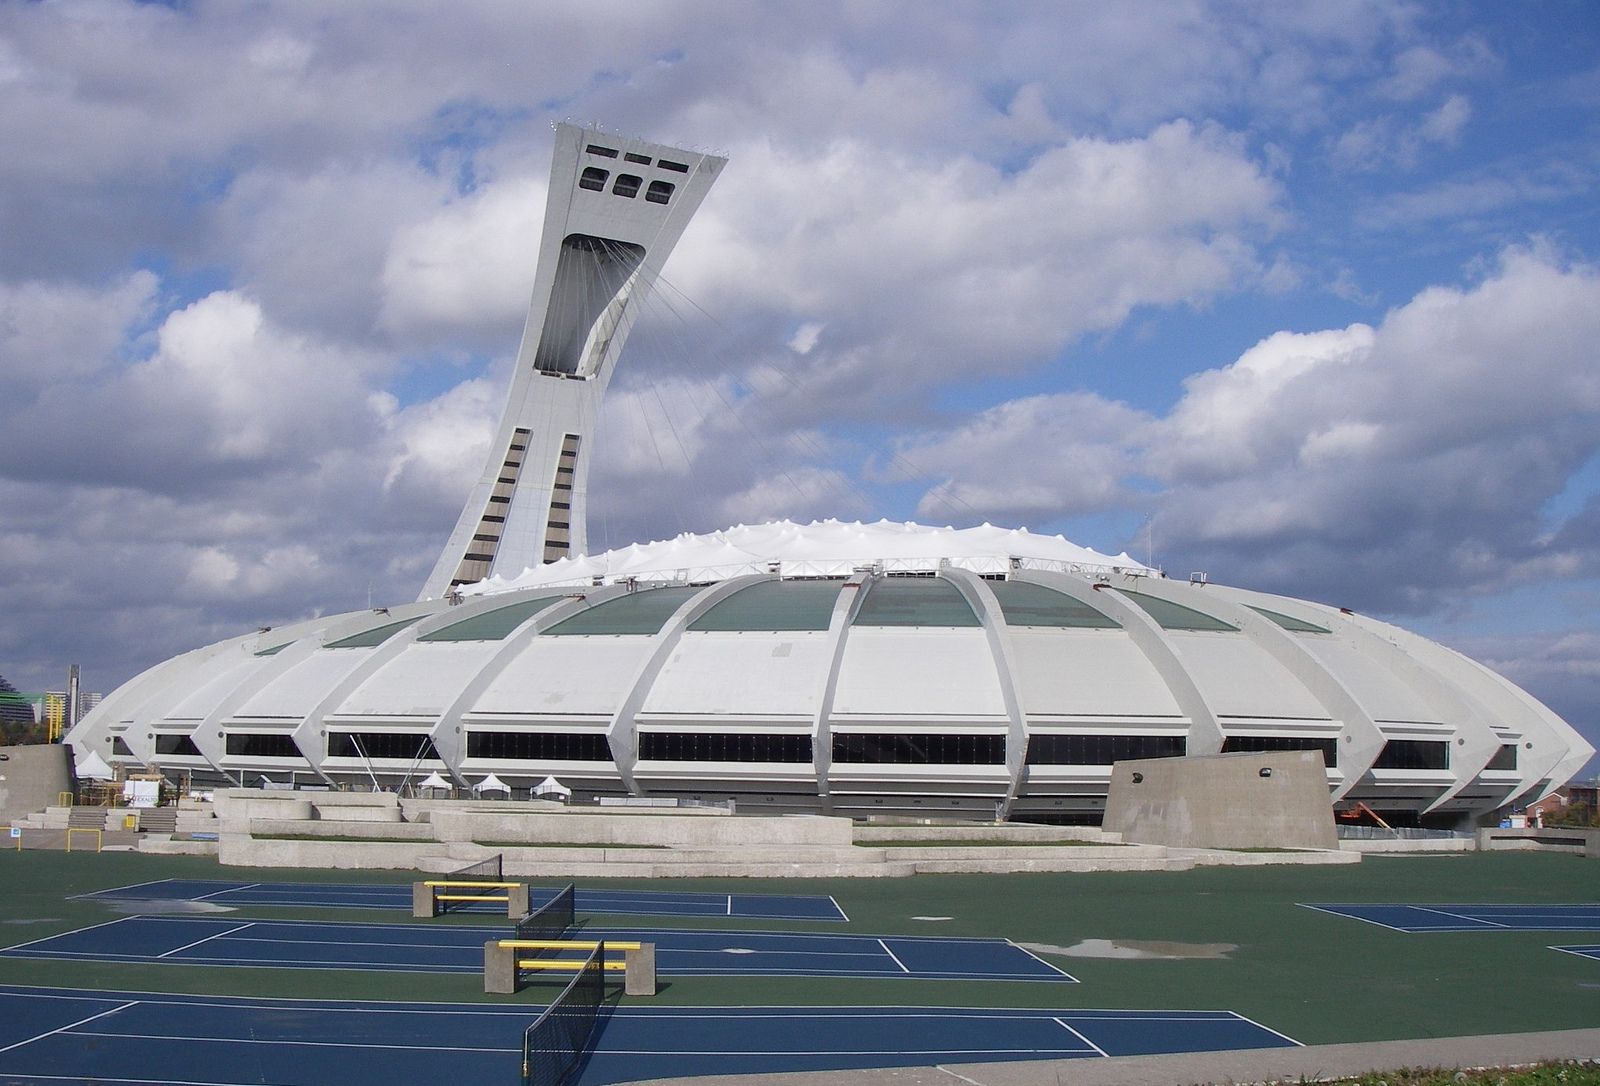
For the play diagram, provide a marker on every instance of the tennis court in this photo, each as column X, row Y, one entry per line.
column 1590, row 952
column 1428, row 918
column 398, row 896
column 51, row 1035
column 430, row 948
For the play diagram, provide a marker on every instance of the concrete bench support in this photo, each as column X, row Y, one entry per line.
column 499, row 969
column 517, row 901
column 640, row 977
column 422, row 903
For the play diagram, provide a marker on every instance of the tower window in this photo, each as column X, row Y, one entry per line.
column 643, row 160
column 593, row 179
column 627, row 185
column 675, row 167
column 604, row 152
column 660, row 192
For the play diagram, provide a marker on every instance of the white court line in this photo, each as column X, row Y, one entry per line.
column 1268, row 1029
column 119, row 889
column 1333, row 910
column 70, row 1025
column 1591, row 953
column 63, row 934
column 229, row 890
column 730, row 904
column 1043, row 1052
column 291, row 1041
column 519, row 1011
column 836, row 905
column 207, row 939
column 132, row 1081
column 1041, row 961
column 1458, row 916
column 1081, row 1037
column 892, row 954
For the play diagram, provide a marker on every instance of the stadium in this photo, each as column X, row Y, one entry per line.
column 852, row 669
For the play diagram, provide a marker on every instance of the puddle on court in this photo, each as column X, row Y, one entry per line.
column 135, row 907
column 1148, row 949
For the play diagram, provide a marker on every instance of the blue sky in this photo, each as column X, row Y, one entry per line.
column 1302, row 295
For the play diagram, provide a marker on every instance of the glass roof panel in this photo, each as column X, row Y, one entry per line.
column 774, row 605
column 641, row 613
column 915, row 601
column 1289, row 622
column 375, row 636
column 274, row 650
column 493, row 625
column 1175, row 616
column 1025, row 604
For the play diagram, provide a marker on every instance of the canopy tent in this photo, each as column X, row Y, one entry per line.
column 491, row 783
column 434, row 782
column 93, row 768
column 550, row 788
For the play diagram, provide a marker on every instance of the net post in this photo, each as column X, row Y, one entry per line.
column 499, row 969
column 423, row 904
column 639, row 978
column 517, row 901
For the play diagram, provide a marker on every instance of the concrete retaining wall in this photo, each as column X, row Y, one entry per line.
column 1584, row 842
column 239, row 850
column 675, row 830
column 390, row 831
column 31, row 777
column 1223, row 801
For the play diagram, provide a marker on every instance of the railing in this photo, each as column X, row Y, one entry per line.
column 79, row 829
column 1404, row 833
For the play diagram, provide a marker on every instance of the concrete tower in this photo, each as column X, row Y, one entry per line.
column 615, row 210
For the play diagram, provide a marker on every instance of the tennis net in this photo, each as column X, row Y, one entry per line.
column 485, row 870
column 552, row 919
column 554, row 1046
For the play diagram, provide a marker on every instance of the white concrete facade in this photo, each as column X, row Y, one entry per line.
column 616, row 208
column 973, row 694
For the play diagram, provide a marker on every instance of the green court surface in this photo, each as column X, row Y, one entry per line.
column 1317, row 977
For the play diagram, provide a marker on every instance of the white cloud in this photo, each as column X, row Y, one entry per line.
column 948, row 265
column 1414, row 460
column 467, row 267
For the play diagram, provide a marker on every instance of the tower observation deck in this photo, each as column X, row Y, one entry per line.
column 615, row 210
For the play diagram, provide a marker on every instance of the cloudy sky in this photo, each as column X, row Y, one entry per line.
column 1301, row 295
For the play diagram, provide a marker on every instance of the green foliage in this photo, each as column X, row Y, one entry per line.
column 1575, row 815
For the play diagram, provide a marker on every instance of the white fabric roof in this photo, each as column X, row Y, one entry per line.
column 433, row 780
column 821, row 548
column 93, row 768
column 551, row 786
column 491, row 783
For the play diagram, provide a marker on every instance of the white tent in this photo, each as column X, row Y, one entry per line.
column 491, row 783
column 434, row 782
column 550, row 788
column 93, row 768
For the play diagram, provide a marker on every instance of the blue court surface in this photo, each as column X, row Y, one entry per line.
column 438, row 948
column 398, row 896
column 1590, row 952
column 53, row 1035
column 1423, row 918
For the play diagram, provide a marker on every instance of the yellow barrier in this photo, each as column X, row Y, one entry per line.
column 563, row 944
column 570, row 965
column 81, row 829
column 429, row 895
column 16, row 835
column 65, row 799
column 471, row 882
